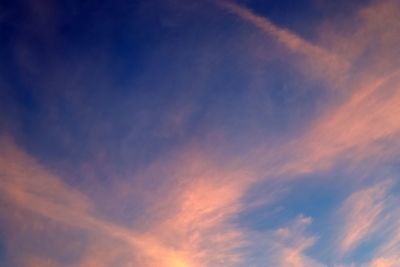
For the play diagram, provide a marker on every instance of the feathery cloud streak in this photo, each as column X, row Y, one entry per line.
column 186, row 206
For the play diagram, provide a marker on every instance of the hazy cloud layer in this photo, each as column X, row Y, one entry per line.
column 191, row 134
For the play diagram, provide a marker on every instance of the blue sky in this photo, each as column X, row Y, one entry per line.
column 175, row 133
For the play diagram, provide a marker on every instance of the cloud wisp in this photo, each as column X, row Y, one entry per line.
column 333, row 66
column 185, row 207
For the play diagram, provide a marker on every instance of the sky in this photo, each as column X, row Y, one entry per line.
column 199, row 133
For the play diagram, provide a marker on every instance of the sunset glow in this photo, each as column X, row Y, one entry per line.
column 180, row 133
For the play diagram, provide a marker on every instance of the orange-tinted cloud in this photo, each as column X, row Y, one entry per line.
column 192, row 227
column 385, row 262
column 194, row 233
column 290, row 244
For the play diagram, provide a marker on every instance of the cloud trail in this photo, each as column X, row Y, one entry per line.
column 191, row 216
column 332, row 64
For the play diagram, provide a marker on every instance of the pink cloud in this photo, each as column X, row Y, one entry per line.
column 323, row 61
column 192, row 216
column 361, row 214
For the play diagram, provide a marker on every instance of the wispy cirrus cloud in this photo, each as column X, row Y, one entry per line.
column 296, row 241
column 330, row 63
column 348, row 128
column 287, row 245
column 193, row 232
column 185, row 202
column 361, row 215
column 371, row 215
column 28, row 185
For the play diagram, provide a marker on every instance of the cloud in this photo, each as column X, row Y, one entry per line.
column 385, row 262
column 287, row 246
column 360, row 122
column 355, row 129
column 194, row 232
column 189, row 197
column 378, row 224
column 38, row 262
column 387, row 252
column 28, row 185
column 321, row 59
column 369, row 38
column 361, row 215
